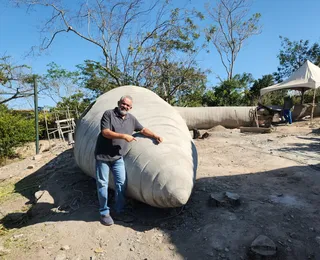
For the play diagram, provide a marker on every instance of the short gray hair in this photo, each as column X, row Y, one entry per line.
column 124, row 97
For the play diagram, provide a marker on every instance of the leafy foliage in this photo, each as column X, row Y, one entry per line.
column 293, row 54
column 179, row 85
column 59, row 82
column 14, row 131
column 94, row 77
column 308, row 96
column 76, row 103
column 254, row 92
column 135, row 37
column 232, row 92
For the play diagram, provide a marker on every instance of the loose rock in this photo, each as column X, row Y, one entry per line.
column 66, row 247
column 45, row 197
column 216, row 200
column 263, row 246
column 37, row 157
column 38, row 194
column 233, row 198
column 16, row 237
column 172, row 247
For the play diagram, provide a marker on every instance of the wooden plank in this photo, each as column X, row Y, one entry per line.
column 255, row 130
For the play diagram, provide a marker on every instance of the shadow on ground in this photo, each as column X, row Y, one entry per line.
column 309, row 149
column 282, row 204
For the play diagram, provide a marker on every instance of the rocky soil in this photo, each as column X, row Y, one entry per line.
column 257, row 196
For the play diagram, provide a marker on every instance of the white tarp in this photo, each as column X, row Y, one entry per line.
column 306, row 77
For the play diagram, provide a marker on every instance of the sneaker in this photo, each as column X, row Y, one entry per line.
column 106, row 220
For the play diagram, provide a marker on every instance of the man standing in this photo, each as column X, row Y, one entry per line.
column 117, row 126
column 287, row 107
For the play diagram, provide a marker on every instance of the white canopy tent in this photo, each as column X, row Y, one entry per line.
column 304, row 78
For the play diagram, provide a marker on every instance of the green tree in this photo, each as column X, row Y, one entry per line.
column 254, row 92
column 59, row 82
column 226, row 94
column 232, row 92
column 94, row 78
column 230, row 29
column 245, row 82
column 3, row 108
column 293, row 54
column 132, row 35
column 178, row 84
column 76, row 103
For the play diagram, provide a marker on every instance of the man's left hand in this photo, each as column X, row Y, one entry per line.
column 159, row 139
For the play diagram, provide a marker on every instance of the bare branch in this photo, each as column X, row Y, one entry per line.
column 16, row 95
column 52, row 38
column 233, row 28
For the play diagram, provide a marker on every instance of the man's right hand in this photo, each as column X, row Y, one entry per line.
column 129, row 138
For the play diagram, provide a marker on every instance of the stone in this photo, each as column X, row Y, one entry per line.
column 172, row 247
column 293, row 235
column 205, row 135
column 232, row 198
column 263, row 246
column 65, row 247
column 37, row 157
column 216, row 200
column 223, row 199
column 30, row 167
column 46, row 198
column 99, row 250
column 16, row 237
column 44, row 204
column 38, row 194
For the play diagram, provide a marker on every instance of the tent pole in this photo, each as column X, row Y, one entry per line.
column 313, row 104
column 302, row 96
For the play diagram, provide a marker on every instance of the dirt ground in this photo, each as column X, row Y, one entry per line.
column 49, row 208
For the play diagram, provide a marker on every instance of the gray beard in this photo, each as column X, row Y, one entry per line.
column 122, row 112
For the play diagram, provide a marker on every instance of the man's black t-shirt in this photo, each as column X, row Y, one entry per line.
column 113, row 149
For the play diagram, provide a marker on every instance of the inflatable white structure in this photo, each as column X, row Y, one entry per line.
column 161, row 175
column 208, row 117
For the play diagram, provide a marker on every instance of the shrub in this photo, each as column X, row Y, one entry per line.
column 14, row 131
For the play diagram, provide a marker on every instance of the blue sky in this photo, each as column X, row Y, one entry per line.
column 295, row 19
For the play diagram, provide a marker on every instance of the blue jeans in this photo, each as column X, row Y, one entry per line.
column 102, row 178
column 287, row 115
